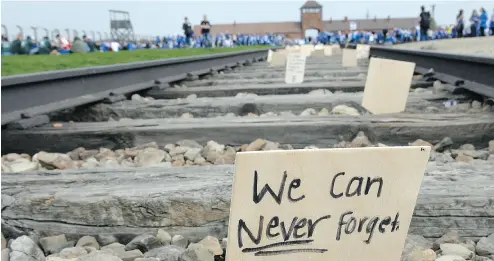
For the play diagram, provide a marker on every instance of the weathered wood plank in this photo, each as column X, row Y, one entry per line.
column 194, row 201
column 325, row 131
column 266, row 89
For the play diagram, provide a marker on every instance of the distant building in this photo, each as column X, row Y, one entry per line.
column 310, row 24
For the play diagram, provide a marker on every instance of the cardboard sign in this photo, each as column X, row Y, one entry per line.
column 278, row 58
column 363, row 51
column 387, row 85
column 295, row 68
column 270, row 55
column 320, row 205
column 328, row 50
column 307, row 49
column 349, row 58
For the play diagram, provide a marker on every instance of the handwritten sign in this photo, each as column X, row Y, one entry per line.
column 363, row 51
column 349, row 58
column 324, row 205
column 295, row 68
column 387, row 85
column 270, row 55
column 278, row 58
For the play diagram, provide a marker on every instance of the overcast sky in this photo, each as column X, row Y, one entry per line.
column 166, row 17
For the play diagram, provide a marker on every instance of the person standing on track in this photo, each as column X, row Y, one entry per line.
column 475, row 21
column 460, row 25
column 206, row 31
column 492, row 23
column 187, row 27
column 484, row 18
column 425, row 22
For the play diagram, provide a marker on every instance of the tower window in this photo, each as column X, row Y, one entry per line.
column 311, row 10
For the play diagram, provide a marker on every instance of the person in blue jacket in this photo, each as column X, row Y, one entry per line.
column 483, row 21
column 474, row 20
column 492, row 23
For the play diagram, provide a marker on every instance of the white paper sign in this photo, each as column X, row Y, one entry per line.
column 349, row 58
column 328, row 50
column 353, row 26
column 307, row 49
column 387, row 85
column 278, row 58
column 363, row 51
column 295, row 68
column 270, row 55
column 319, row 205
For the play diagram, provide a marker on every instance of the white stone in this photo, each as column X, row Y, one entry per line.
column 308, row 112
column 230, row 115
column 476, row 105
column 212, row 244
column 245, row 95
column 23, row 247
column 90, row 163
column 320, row 92
column 149, row 157
column 456, row 250
column 164, row 237
column 485, row 246
column 345, row 110
column 136, row 97
column 192, row 96
column 323, row 112
column 192, row 153
column 178, row 150
column 178, row 240
column 187, row 116
column 12, row 156
column 22, row 165
column 214, row 146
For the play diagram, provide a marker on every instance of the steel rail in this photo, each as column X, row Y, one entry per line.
column 29, row 95
column 474, row 73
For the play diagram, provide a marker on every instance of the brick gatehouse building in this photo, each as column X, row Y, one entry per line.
column 311, row 21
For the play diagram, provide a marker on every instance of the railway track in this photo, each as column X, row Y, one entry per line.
column 28, row 96
column 167, row 153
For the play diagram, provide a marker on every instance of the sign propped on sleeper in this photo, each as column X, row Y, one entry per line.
column 295, row 68
column 349, row 58
column 270, row 55
column 387, row 85
column 307, row 49
column 278, row 58
column 319, row 205
column 328, row 50
column 363, row 51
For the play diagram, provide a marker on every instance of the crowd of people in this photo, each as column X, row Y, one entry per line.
column 479, row 24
